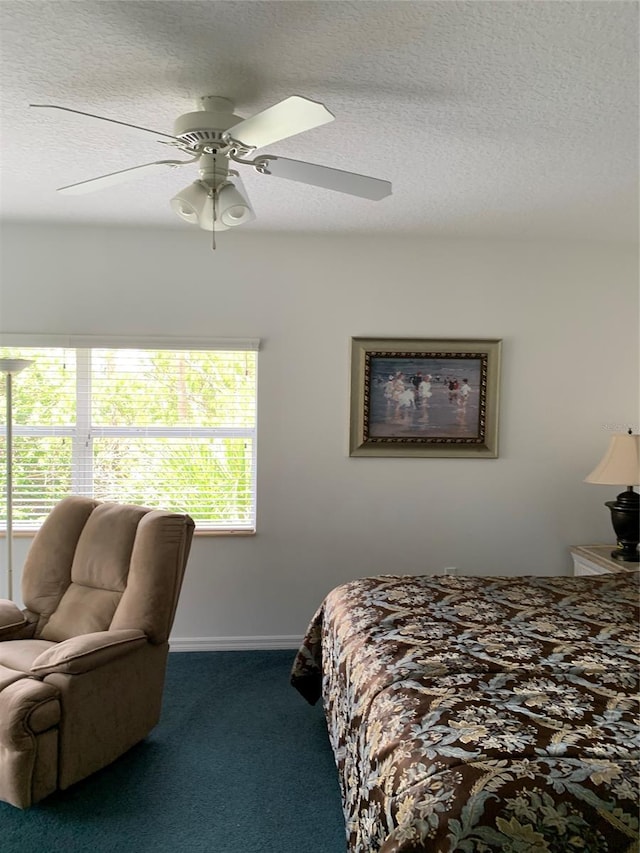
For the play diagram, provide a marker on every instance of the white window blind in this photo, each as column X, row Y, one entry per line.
column 164, row 426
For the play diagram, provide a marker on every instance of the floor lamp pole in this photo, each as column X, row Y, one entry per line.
column 10, row 366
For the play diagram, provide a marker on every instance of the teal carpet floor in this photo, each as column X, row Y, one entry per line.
column 239, row 763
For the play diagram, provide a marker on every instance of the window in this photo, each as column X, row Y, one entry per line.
column 151, row 424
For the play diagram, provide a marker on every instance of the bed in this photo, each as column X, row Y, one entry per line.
column 478, row 714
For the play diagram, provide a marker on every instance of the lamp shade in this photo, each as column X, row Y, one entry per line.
column 233, row 204
column 206, row 220
column 195, row 204
column 13, row 365
column 190, row 202
column 620, row 465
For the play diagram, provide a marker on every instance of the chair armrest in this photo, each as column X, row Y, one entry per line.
column 88, row 651
column 17, row 702
column 11, row 618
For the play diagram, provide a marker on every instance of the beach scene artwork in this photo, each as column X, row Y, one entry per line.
column 432, row 399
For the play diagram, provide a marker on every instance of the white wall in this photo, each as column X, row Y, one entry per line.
column 568, row 316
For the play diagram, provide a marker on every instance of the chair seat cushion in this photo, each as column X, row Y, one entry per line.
column 8, row 676
column 20, row 654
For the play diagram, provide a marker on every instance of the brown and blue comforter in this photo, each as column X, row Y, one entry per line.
column 479, row 714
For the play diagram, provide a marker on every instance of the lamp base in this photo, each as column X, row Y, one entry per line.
column 626, row 556
column 625, row 517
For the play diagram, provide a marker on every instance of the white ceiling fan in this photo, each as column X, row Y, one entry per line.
column 217, row 139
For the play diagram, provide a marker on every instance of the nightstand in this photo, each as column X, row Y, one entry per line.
column 596, row 560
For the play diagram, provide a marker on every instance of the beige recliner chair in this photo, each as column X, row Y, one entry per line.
column 82, row 667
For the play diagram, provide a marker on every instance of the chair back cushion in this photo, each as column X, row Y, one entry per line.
column 47, row 569
column 94, row 565
column 158, row 561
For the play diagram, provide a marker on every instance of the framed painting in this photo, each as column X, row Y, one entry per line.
column 424, row 397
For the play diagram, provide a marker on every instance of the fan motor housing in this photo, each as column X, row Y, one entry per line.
column 202, row 130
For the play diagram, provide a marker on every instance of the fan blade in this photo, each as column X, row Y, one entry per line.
column 102, row 118
column 121, row 177
column 286, row 118
column 323, row 176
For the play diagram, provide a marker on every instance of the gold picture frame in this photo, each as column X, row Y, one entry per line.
column 424, row 397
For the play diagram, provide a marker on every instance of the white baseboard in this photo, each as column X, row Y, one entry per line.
column 228, row 644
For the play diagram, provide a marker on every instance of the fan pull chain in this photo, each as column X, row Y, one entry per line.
column 213, row 211
column 213, row 220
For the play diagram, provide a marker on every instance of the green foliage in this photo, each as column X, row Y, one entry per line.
column 209, row 478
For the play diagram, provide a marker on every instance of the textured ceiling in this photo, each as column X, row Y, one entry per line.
column 516, row 119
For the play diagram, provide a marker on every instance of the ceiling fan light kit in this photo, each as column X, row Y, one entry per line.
column 214, row 208
column 215, row 137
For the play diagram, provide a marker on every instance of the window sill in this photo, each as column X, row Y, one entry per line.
column 203, row 531
column 199, row 531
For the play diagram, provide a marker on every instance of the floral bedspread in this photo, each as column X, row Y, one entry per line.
column 480, row 714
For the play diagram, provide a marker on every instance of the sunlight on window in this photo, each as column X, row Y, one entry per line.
column 174, row 429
